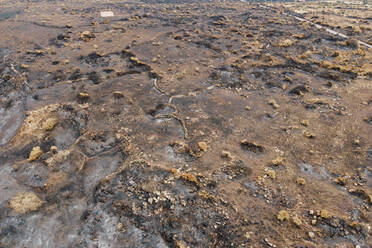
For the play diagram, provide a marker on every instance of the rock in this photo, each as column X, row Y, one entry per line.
column 181, row 244
column 278, row 161
column 24, row 66
column 311, row 235
column 286, row 43
column 299, row 90
column 226, row 154
column 23, row 203
column 282, row 215
column 301, row 181
column 271, row 174
column 83, row 96
column 53, row 148
column 251, row 146
column 49, row 124
column 190, row 178
column 267, row 242
column 203, row 146
column 273, row 103
column 118, row 94
column 324, row 214
column 35, row 154
column 86, row 35
column 340, row 181
column 297, row 221
column 309, row 135
column 305, row 123
column 247, row 108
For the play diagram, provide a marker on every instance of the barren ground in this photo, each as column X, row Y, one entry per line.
column 184, row 124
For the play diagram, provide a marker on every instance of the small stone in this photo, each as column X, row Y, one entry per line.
column 35, row 154
column 283, row 215
column 313, row 222
column 271, row 174
column 86, row 35
column 311, row 212
column 269, row 243
column 340, row 181
column 203, row 146
column 356, row 142
column 247, row 235
column 83, row 96
column 251, row 146
column 309, row 135
column 53, row 148
column 118, row 94
column 305, row 123
column 24, row 66
column 297, row 221
column 311, row 235
column 273, row 103
column 68, row 25
column 49, row 124
column 278, row 161
column 226, row 154
column 301, row 181
column 286, row 43
column 23, row 203
column 324, row 214
column 247, row 108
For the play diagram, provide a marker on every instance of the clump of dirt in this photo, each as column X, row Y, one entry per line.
column 22, row 203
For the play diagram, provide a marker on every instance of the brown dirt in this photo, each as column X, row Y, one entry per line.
column 194, row 124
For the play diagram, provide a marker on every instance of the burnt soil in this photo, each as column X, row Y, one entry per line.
column 181, row 124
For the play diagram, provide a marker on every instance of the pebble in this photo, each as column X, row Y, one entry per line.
column 271, row 174
column 86, row 35
column 83, row 96
column 49, row 124
column 118, row 94
column 226, row 154
column 324, row 214
column 203, row 146
column 301, row 181
column 283, row 215
column 305, row 123
column 311, row 235
column 309, row 135
column 273, row 103
column 297, row 221
column 24, row 66
column 35, row 154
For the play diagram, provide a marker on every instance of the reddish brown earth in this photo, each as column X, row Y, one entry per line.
column 195, row 124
